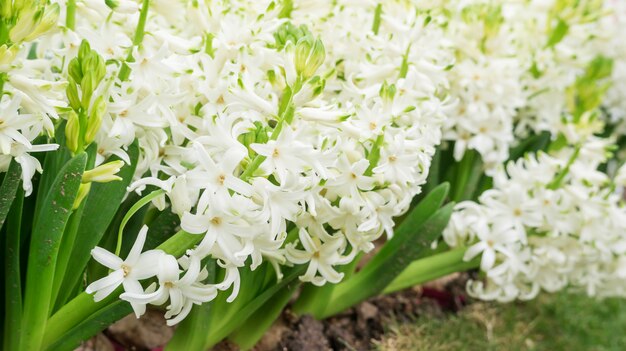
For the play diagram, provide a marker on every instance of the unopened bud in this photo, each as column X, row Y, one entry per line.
column 47, row 22
column 25, row 24
column 72, row 132
column 87, row 86
column 83, row 50
column 309, row 57
column 127, row 7
column 74, row 70
column 83, row 191
column 95, row 119
column 7, row 54
column 104, row 173
column 72, row 94
column 387, row 92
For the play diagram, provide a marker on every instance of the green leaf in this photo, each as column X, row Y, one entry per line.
column 9, row 188
column 430, row 268
column 229, row 325
column 410, row 241
column 161, row 229
column 46, row 238
column 99, row 209
column 558, row 33
column 92, row 325
column 13, row 284
column 251, row 331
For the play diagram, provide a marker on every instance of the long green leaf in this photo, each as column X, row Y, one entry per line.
column 229, row 325
column 13, row 284
column 92, row 325
column 45, row 241
column 69, row 237
column 99, row 209
column 411, row 241
column 8, row 189
column 432, row 267
column 251, row 331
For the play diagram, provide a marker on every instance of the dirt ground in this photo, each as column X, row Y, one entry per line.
column 354, row 329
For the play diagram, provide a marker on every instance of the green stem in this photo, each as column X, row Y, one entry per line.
column 139, row 33
column 285, row 114
column 70, row 14
column 136, row 207
column 430, row 268
column 377, row 14
column 556, row 183
column 465, row 169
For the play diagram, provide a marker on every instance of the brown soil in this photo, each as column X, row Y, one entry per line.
column 352, row 330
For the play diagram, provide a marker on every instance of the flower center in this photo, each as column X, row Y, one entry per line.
column 126, row 270
column 168, row 285
column 216, row 220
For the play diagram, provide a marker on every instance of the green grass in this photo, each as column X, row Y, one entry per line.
column 550, row 322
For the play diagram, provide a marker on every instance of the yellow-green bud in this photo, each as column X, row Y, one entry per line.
column 83, row 191
column 87, row 87
column 7, row 54
column 309, row 56
column 95, row 119
column 72, row 132
column 72, row 94
column 104, row 173
column 74, row 70
column 47, row 22
column 25, row 24
column 83, row 50
column 6, row 9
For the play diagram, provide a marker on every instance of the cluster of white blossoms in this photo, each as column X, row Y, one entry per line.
column 273, row 138
column 516, row 61
column 549, row 222
column 293, row 132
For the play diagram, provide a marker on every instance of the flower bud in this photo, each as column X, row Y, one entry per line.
column 309, row 57
column 74, row 70
column 87, row 86
column 83, row 191
column 95, row 119
column 83, row 50
column 127, row 7
column 72, row 94
column 47, row 22
column 7, row 54
column 25, row 24
column 104, row 173
column 72, row 132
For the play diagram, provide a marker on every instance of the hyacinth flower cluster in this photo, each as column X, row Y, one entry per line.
column 212, row 158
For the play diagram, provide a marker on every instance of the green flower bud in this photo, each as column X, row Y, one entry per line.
column 87, row 86
column 387, row 92
column 83, row 50
column 72, row 94
column 6, row 9
column 95, row 119
column 309, row 57
column 74, row 70
column 7, row 53
column 104, row 173
column 72, row 132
